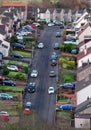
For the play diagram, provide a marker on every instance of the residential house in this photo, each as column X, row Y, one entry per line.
column 69, row 16
column 84, row 30
column 47, row 16
column 83, row 109
column 41, row 13
column 78, row 23
column 62, row 15
column 54, row 15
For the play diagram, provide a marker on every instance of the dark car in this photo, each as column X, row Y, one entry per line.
column 31, row 87
column 8, row 82
column 53, row 62
column 61, row 26
column 17, row 56
column 68, row 85
column 56, row 46
column 69, row 107
column 18, row 46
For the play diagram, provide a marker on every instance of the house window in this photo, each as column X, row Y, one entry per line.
column 4, row 46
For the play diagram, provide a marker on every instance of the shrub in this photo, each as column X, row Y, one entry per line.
column 13, row 39
column 26, row 69
column 20, row 76
column 5, row 70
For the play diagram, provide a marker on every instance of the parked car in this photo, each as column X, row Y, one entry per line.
column 68, row 85
column 34, row 73
column 74, row 51
column 51, row 90
column 17, row 56
column 8, row 82
column 51, row 24
column 52, row 73
column 41, row 45
column 12, row 67
column 5, row 96
column 58, row 34
column 69, row 107
column 61, row 26
column 56, row 46
column 53, row 62
column 28, row 105
column 53, row 56
column 3, row 113
column 18, row 46
column 31, row 87
column 1, row 78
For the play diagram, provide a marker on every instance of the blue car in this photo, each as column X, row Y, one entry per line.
column 69, row 107
column 28, row 105
column 5, row 96
column 68, row 85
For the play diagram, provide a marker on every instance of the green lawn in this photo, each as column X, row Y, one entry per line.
column 12, row 75
column 68, row 78
column 25, row 54
column 63, row 100
column 18, row 63
column 63, row 114
column 11, row 89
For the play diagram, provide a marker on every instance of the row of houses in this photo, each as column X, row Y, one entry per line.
column 12, row 15
column 83, row 86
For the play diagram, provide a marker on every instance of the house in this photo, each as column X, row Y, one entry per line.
column 47, row 16
column 84, row 30
column 4, row 47
column 83, row 109
column 61, row 15
column 41, row 14
column 80, row 21
column 69, row 16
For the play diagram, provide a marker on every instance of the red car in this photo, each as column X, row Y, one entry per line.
column 1, row 78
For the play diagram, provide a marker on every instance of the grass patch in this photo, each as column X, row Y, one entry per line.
column 68, row 115
column 12, row 75
column 25, row 54
column 11, row 89
column 67, row 78
column 63, row 100
column 13, row 113
column 18, row 63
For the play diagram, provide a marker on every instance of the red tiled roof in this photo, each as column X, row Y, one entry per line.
column 69, row 95
column 15, row 4
column 83, row 55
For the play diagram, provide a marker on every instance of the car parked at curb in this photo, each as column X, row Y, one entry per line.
column 68, row 107
column 52, row 73
column 51, row 90
column 28, row 105
column 58, row 34
column 41, row 45
column 53, row 62
column 34, row 73
column 56, row 46
column 31, row 88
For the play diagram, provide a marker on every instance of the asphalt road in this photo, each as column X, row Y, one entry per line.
column 42, row 102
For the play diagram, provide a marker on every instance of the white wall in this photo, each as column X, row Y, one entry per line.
column 83, row 94
column 82, row 123
column 48, row 16
column 86, row 45
column 85, row 59
column 87, row 31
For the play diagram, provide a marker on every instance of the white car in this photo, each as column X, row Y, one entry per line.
column 51, row 90
column 34, row 73
column 51, row 24
column 13, row 68
column 40, row 45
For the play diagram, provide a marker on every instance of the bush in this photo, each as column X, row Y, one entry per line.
column 5, row 70
column 26, row 69
column 20, row 76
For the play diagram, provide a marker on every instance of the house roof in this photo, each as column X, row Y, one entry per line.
column 0, row 41
column 2, row 29
column 5, row 20
column 42, row 10
column 83, row 28
column 14, row 4
column 83, row 83
column 82, row 54
column 8, row 14
column 83, row 106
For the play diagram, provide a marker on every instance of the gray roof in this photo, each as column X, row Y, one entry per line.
column 83, row 83
column 5, row 20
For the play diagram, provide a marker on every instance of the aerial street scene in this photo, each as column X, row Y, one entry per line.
column 45, row 64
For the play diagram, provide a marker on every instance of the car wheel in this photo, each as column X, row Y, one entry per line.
column 12, row 85
column 3, row 84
